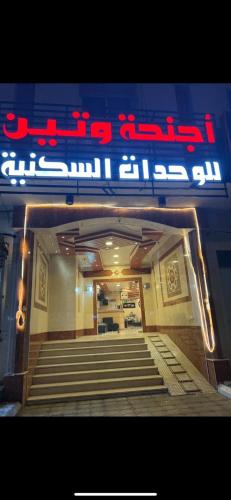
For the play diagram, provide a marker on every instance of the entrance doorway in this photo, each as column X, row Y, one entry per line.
column 119, row 306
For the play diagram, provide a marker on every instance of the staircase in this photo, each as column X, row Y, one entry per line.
column 74, row 370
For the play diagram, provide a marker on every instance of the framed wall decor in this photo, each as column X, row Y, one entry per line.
column 41, row 279
column 174, row 278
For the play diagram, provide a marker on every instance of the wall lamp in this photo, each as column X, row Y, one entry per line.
column 161, row 201
column 69, row 199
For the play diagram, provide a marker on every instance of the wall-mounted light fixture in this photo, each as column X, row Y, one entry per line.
column 69, row 199
column 161, row 201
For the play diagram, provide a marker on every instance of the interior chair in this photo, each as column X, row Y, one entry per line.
column 102, row 328
column 109, row 323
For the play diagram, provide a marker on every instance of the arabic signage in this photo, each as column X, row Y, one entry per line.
column 18, row 166
column 103, row 130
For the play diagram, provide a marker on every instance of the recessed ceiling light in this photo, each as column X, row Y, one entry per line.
column 62, row 236
column 67, row 248
column 118, row 284
column 116, row 248
column 115, row 256
column 108, row 243
column 116, row 262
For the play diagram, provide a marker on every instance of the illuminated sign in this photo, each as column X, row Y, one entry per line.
column 129, row 130
column 105, row 169
column 17, row 168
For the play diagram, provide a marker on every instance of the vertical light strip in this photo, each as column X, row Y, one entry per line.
column 20, row 315
column 204, row 327
column 211, row 342
column 24, row 242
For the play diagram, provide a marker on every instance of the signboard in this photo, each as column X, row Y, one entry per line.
column 66, row 153
column 129, row 305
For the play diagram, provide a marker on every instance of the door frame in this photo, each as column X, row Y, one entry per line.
column 114, row 280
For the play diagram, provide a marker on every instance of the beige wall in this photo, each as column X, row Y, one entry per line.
column 62, row 295
column 178, row 314
column 38, row 317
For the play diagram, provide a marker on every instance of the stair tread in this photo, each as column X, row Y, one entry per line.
column 94, row 362
column 80, row 382
column 64, row 349
column 110, row 392
column 93, row 372
column 92, row 354
column 68, row 341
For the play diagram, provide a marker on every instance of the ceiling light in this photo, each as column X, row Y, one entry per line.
column 118, row 284
column 116, row 248
column 67, row 248
column 115, row 256
column 108, row 243
column 116, row 262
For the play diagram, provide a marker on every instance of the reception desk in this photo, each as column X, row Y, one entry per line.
column 116, row 314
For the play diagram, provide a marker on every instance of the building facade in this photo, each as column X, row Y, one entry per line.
column 115, row 210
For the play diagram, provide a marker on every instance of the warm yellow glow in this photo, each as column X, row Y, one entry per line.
column 211, row 343
column 208, row 336
column 20, row 315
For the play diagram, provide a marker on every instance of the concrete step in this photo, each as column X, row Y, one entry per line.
column 54, row 378
column 66, row 351
column 98, row 394
column 85, row 343
column 91, row 385
column 92, row 357
column 94, row 365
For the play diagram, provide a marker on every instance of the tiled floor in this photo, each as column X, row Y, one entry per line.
column 198, row 404
column 9, row 409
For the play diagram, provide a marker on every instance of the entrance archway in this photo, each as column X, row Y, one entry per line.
column 46, row 217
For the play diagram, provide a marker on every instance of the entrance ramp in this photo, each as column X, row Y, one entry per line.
column 180, row 375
